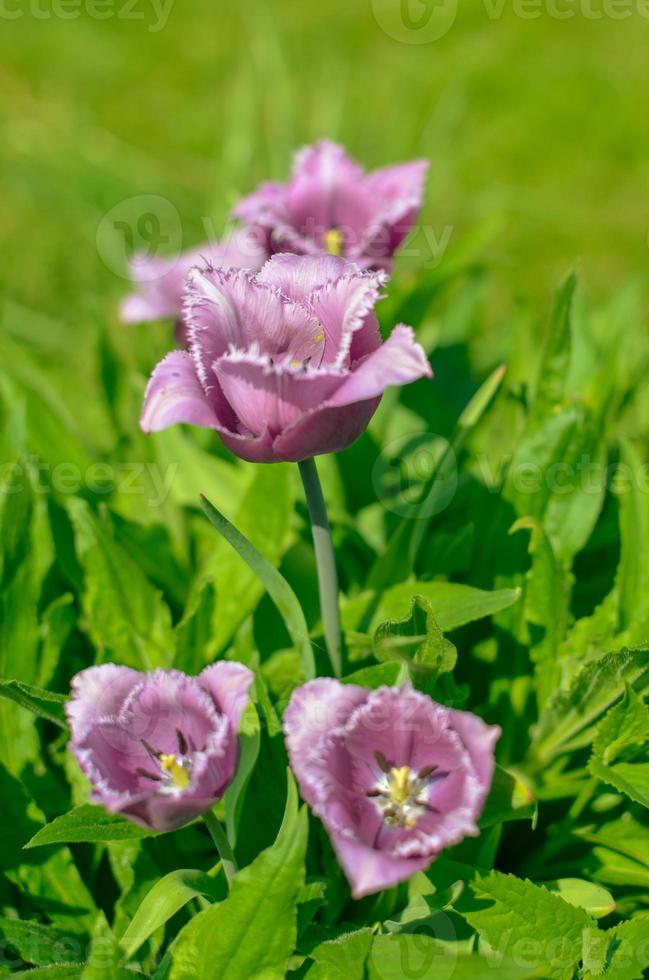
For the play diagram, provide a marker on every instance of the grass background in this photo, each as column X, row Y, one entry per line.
column 537, row 127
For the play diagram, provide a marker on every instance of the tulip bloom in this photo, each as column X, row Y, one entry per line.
column 394, row 777
column 160, row 282
column 285, row 364
column 331, row 205
column 158, row 748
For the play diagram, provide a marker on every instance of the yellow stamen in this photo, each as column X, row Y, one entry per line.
column 319, row 338
column 334, row 241
column 179, row 774
column 400, row 785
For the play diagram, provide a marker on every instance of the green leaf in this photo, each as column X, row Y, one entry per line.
column 546, row 606
column 87, row 824
column 566, row 720
column 127, row 618
column 162, row 902
column 342, row 958
column 416, row 640
column 399, row 558
column 523, row 913
column 263, row 519
column 249, row 742
column 633, row 570
column 509, row 799
column 621, row 953
column 453, row 605
column 196, row 471
column 66, row 971
column 623, row 734
column 379, row 675
column 257, row 924
column 556, row 353
column 194, row 631
column 58, row 622
column 275, row 584
column 594, row 899
column 420, row 954
column 45, row 704
column 546, row 482
column 38, row 944
column 625, row 835
column 104, row 958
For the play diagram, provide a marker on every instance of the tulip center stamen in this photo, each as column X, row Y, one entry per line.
column 400, row 794
column 334, row 241
column 176, row 769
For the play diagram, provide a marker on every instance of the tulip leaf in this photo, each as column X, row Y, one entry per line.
column 275, row 584
column 249, row 742
column 87, row 824
column 257, row 923
column 162, row 902
column 509, row 799
column 45, row 704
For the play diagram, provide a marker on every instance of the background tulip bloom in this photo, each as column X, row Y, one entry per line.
column 394, row 777
column 331, row 205
column 285, row 364
column 159, row 748
column 160, row 282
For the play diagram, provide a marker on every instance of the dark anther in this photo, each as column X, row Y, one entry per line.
column 149, row 748
column 382, row 761
column 182, row 742
column 426, row 771
column 425, row 803
column 148, row 775
column 371, row 793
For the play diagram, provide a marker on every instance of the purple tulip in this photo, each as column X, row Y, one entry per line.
column 331, row 205
column 394, row 777
column 285, row 364
column 159, row 748
column 160, row 282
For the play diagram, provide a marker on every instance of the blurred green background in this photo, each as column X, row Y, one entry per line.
column 538, row 126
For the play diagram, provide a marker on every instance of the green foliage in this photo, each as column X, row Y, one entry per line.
column 491, row 528
column 257, row 923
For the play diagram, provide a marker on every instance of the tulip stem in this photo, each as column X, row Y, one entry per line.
column 325, row 560
column 222, row 845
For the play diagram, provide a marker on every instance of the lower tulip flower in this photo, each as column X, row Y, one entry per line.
column 285, row 364
column 158, row 748
column 394, row 777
